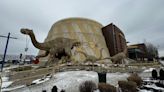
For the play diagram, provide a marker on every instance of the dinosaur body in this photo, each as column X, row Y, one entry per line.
column 90, row 57
column 55, row 48
column 118, row 58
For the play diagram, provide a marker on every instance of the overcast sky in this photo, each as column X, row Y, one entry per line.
column 139, row 19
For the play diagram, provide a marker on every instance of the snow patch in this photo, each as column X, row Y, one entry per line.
column 9, row 89
column 6, row 84
column 38, row 81
column 44, row 79
column 148, row 70
column 154, row 87
column 5, row 78
column 145, row 91
column 113, row 78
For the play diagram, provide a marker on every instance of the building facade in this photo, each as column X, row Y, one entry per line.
column 137, row 51
column 115, row 39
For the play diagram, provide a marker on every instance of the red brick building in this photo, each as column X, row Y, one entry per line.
column 115, row 39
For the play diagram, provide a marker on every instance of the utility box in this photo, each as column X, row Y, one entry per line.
column 102, row 77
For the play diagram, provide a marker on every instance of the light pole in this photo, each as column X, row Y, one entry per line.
column 4, row 55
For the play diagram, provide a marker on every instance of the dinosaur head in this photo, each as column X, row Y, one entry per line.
column 26, row 31
column 76, row 44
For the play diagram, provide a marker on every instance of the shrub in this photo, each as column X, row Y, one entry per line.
column 154, row 74
column 135, row 78
column 62, row 90
column 44, row 91
column 161, row 74
column 127, row 86
column 87, row 86
column 103, row 87
column 54, row 89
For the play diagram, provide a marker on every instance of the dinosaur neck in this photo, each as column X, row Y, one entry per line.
column 82, row 53
column 36, row 43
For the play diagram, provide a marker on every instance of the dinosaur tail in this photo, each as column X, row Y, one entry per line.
column 81, row 53
column 101, row 53
column 125, row 50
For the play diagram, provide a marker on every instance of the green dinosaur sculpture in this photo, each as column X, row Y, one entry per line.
column 56, row 48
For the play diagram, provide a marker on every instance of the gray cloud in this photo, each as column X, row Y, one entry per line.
column 138, row 19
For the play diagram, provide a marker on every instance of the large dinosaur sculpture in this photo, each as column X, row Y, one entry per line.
column 56, row 48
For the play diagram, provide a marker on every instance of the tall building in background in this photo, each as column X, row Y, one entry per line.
column 115, row 39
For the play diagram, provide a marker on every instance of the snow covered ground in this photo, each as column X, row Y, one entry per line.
column 71, row 80
column 162, row 62
column 68, row 81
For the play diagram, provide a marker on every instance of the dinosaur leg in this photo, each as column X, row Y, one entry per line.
column 43, row 55
column 68, row 54
column 68, row 58
column 52, row 57
column 123, row 62
column 50, row 60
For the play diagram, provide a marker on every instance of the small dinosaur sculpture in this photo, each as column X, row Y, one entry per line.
column 56, row 48
column 118, row 58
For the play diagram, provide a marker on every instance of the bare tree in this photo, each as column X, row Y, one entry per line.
column 152, row 51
